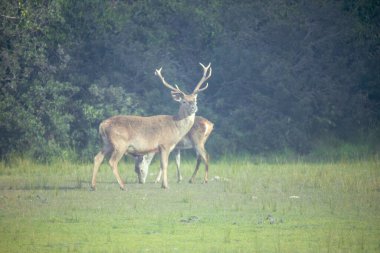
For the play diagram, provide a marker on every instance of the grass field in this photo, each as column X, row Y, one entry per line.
column 246, row 207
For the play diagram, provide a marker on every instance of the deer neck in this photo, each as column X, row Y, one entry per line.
column 184, row 120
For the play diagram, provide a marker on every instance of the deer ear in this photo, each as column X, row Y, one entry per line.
column 177, row 96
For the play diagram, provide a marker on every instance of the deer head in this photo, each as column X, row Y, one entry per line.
column 188, row 102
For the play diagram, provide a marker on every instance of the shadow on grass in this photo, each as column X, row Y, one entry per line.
column 45, row 187
column 69, row 186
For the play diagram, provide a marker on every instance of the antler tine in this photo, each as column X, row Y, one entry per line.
column 206, row 75
column 203, row 88
column 158, row 73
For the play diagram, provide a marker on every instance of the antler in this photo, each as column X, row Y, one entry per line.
column 204, row 78
column 158, row 73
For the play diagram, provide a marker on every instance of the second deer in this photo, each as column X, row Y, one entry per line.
column 195, row 139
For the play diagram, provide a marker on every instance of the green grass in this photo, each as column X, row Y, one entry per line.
column 329, row 207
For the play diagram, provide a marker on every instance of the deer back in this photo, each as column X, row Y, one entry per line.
column 197, row 135
column 139, row 135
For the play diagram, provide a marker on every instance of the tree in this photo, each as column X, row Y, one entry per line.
column 286, row 73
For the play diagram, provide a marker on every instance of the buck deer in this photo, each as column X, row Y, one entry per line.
column 195, row 139
column 136, row 135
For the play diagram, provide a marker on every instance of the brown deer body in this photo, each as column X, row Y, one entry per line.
column 137, row 135
column 195, row 139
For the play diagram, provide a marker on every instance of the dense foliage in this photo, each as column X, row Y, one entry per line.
column 287, row 74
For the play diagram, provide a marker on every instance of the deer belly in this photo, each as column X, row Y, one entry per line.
column 185, row 143
column 137, row 150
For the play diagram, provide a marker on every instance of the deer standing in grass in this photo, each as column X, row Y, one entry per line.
column 137, row 136
column 195, row 139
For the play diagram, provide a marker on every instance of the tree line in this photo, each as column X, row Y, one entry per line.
column 287, row 75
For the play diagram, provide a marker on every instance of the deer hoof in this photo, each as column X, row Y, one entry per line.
column 123, row 188
column 92, row 188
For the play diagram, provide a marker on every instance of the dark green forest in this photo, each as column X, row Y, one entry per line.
column 288, row 76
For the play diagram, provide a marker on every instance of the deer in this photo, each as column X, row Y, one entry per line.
column 195, row 139
column 139, row 135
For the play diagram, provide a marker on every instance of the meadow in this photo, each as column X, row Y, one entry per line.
column 247, row 206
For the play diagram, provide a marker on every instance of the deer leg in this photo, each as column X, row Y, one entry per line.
column 178, row 163
column 158, row 178
column 205, row 160
column 201, row 156
column 138, row 166
column 142, row 166
column 192, row 179
column 164, row 167
column 98, row 159
column 114, row 160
